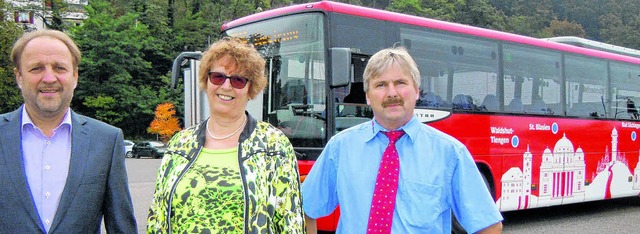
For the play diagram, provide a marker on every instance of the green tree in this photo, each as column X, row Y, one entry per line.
column 618, row 32
column 117, row 82
column 411, row 7
column 524, row 25
column 559, row 28
column 480, row 13
column 189, row 33
column 56, row 8
column 526, row 17
column 619, row 25
column 437, row 9
column 9, row 92
column 585, row 13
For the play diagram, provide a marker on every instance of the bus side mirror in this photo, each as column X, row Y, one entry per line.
column 177, row 63
column 340, row 66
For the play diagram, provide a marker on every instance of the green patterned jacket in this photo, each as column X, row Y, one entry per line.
column 268, row 170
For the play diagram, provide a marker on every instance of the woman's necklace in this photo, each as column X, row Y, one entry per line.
column 227, row 136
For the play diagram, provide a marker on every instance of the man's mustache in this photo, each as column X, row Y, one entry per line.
column 393, row 101
column 50, row 87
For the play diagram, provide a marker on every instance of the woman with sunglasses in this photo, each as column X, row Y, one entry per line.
column 231, row 173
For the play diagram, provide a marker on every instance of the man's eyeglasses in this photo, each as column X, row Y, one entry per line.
column 237, row 82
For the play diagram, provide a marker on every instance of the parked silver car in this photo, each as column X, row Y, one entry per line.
column 128, row 147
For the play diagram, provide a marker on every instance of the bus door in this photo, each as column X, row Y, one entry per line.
column 294, row 100
column 351, row 103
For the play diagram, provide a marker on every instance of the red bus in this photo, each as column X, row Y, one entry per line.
column 547, row 123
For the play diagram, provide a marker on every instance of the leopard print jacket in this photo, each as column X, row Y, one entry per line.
column 268, row 170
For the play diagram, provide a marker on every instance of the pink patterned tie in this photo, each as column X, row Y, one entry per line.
column 384, row 194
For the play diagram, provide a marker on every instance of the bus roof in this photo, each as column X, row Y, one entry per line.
column 329, row 6
column 582, row 42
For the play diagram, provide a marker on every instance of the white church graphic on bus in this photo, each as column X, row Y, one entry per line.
column 563, row 178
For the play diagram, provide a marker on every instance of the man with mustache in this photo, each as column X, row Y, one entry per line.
column 394, row 174
column 60, row 172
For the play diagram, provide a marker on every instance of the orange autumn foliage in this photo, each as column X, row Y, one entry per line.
column 165, row 123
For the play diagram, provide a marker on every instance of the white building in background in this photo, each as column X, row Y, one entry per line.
column 29, row 13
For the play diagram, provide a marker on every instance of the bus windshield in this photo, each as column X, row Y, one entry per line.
column 294, row 101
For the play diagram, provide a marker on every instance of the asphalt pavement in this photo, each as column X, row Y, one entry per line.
column 142, row 177
column 613, row 216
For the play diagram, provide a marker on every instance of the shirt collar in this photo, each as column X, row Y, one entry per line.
column 27, row 120
column 411, row 128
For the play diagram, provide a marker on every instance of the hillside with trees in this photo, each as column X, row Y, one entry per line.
column 128, row 46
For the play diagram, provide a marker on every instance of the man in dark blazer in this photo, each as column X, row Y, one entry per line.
column 60, row 172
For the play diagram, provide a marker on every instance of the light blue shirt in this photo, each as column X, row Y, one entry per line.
column 46, row 162
column 437, row 176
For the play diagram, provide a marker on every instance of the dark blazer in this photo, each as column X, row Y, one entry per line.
column 96, row 185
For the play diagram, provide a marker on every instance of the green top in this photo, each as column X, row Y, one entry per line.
column 268, row 168
column 209, row 196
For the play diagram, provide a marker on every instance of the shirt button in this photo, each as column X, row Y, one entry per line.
column 47, row 167
column 48, row 142
column 47, row 222
column 47, row 194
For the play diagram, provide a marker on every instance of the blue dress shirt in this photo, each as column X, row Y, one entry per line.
column 46, row 162
column 437, row 176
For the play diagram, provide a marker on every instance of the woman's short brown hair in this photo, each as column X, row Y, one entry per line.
column 250, row 63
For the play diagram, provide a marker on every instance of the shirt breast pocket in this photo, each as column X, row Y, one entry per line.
column 419, row 204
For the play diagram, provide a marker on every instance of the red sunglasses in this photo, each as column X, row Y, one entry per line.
column 237, row 82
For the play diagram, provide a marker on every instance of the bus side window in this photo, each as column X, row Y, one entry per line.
column 430, row 99
column 463, row 102
column 515, row 106
column 584, row 109
column 490, row 103
column 538, row 107
column 631, row 109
